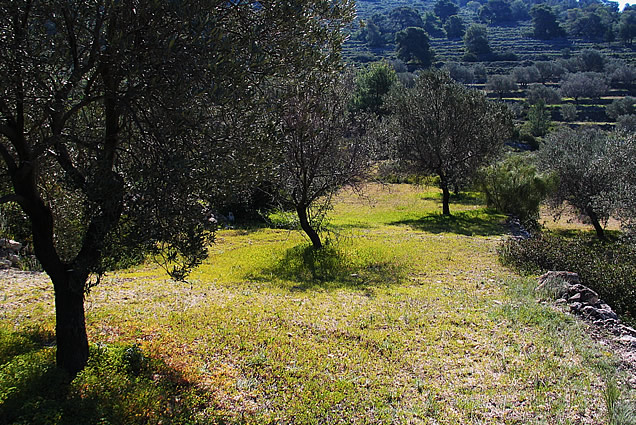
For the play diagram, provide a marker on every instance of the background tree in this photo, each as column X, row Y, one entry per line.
column 454, row 27
column 495, row 12
column 501, row 84
column 520, row 10
column 545, row 23
column 627, row 26
column 525, row 75
column 125, row 109
column 371, row 87
column 403, row 17
column 621, row 199
column 444, row 9
column 550, row 70
column 322, row 148
column 476, row 40
column 432, row 25
column 459, row 72
column 444, row 128
column 538, row 119
column 592, row 61
column 373, row 36
column 584, row 84
column 618, row 107
column 578, row 160
column 540, row 92
column 413, row 46
column 568, row 112
column 592, row 22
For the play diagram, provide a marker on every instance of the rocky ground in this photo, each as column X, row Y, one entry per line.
column 565, row 290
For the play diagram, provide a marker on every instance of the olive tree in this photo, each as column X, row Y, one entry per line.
column 126, row 109
column 323, row 148
column 622, row 197
column 578, row 159
column 584, row 84
column 444, row 128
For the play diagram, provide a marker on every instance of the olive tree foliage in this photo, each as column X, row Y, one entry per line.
column 540, row 92
column 501, row 84
column 323, row 147
column 619, row 107
column 446, row 129
column 584, row 84
column 128, row 112
column 621, row 199
column 578, row 159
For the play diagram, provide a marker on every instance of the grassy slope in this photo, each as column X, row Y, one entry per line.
column 406, row 318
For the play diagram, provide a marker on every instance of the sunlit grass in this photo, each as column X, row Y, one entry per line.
column 405, row 317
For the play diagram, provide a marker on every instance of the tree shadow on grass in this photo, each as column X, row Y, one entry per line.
column 331, row 268
column 469, row 223
column 120, row 385
column 462, row 198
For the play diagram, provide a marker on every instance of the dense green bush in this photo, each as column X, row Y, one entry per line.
column 609, row 268
column 513, row 186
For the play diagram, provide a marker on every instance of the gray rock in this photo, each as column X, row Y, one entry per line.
column 607, row 313
column 10, row 244
column 4, row 263
column 576, row 307
column 627, row 330
column 628, row 340
column 586, row 294
column 557, row 283
column 599, row 313
column 13, row 258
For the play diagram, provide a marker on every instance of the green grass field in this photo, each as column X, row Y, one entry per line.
column 405, row 318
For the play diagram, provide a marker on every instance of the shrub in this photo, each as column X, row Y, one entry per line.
column 609, row 268
column 568, row 112
column 626, row 123
column 513, row 186
column 618, row 107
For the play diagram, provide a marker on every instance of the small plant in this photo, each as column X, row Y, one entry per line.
column 619, row 412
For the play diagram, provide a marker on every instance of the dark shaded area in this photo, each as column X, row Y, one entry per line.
column 120, row 385
column 461, row 198
column 330, row 268
column 469, row 223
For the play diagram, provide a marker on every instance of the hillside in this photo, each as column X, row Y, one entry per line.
column 508, row 37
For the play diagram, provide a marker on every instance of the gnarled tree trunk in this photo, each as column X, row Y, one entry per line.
column 304, row 224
